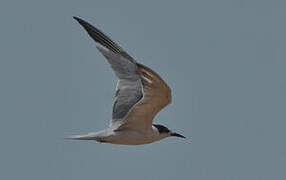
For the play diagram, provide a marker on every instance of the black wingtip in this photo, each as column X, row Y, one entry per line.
column 78, row 19
column 99, row 36
column 88, row 27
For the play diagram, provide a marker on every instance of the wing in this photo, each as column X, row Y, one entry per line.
column 156, row 95
column 129, row 86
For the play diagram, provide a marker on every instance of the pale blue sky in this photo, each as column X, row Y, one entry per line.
column 225, row 61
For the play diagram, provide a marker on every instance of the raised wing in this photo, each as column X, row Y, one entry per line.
column 129, row 86
column 156, row 95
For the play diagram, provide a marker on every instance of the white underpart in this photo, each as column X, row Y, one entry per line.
column 127, row 137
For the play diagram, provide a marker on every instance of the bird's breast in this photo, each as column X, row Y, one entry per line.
column 128, row 137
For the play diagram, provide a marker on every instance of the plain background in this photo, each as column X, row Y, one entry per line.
column 225, row 62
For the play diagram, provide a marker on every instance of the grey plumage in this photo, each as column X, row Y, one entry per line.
column 129, row 87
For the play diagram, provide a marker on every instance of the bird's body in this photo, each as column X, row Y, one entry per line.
column 140, row 94
column 126, row 137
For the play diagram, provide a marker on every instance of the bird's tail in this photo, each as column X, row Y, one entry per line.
column 81, row 137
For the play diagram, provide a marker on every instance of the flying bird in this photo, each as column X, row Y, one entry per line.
column 140, row 94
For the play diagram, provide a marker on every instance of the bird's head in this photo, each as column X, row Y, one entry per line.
column 166, row 132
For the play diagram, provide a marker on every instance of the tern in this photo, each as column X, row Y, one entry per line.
column 140, row 94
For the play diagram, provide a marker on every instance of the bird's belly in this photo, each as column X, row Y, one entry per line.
column 130, row 138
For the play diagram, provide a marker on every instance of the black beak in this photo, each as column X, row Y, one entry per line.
column 177, row 135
